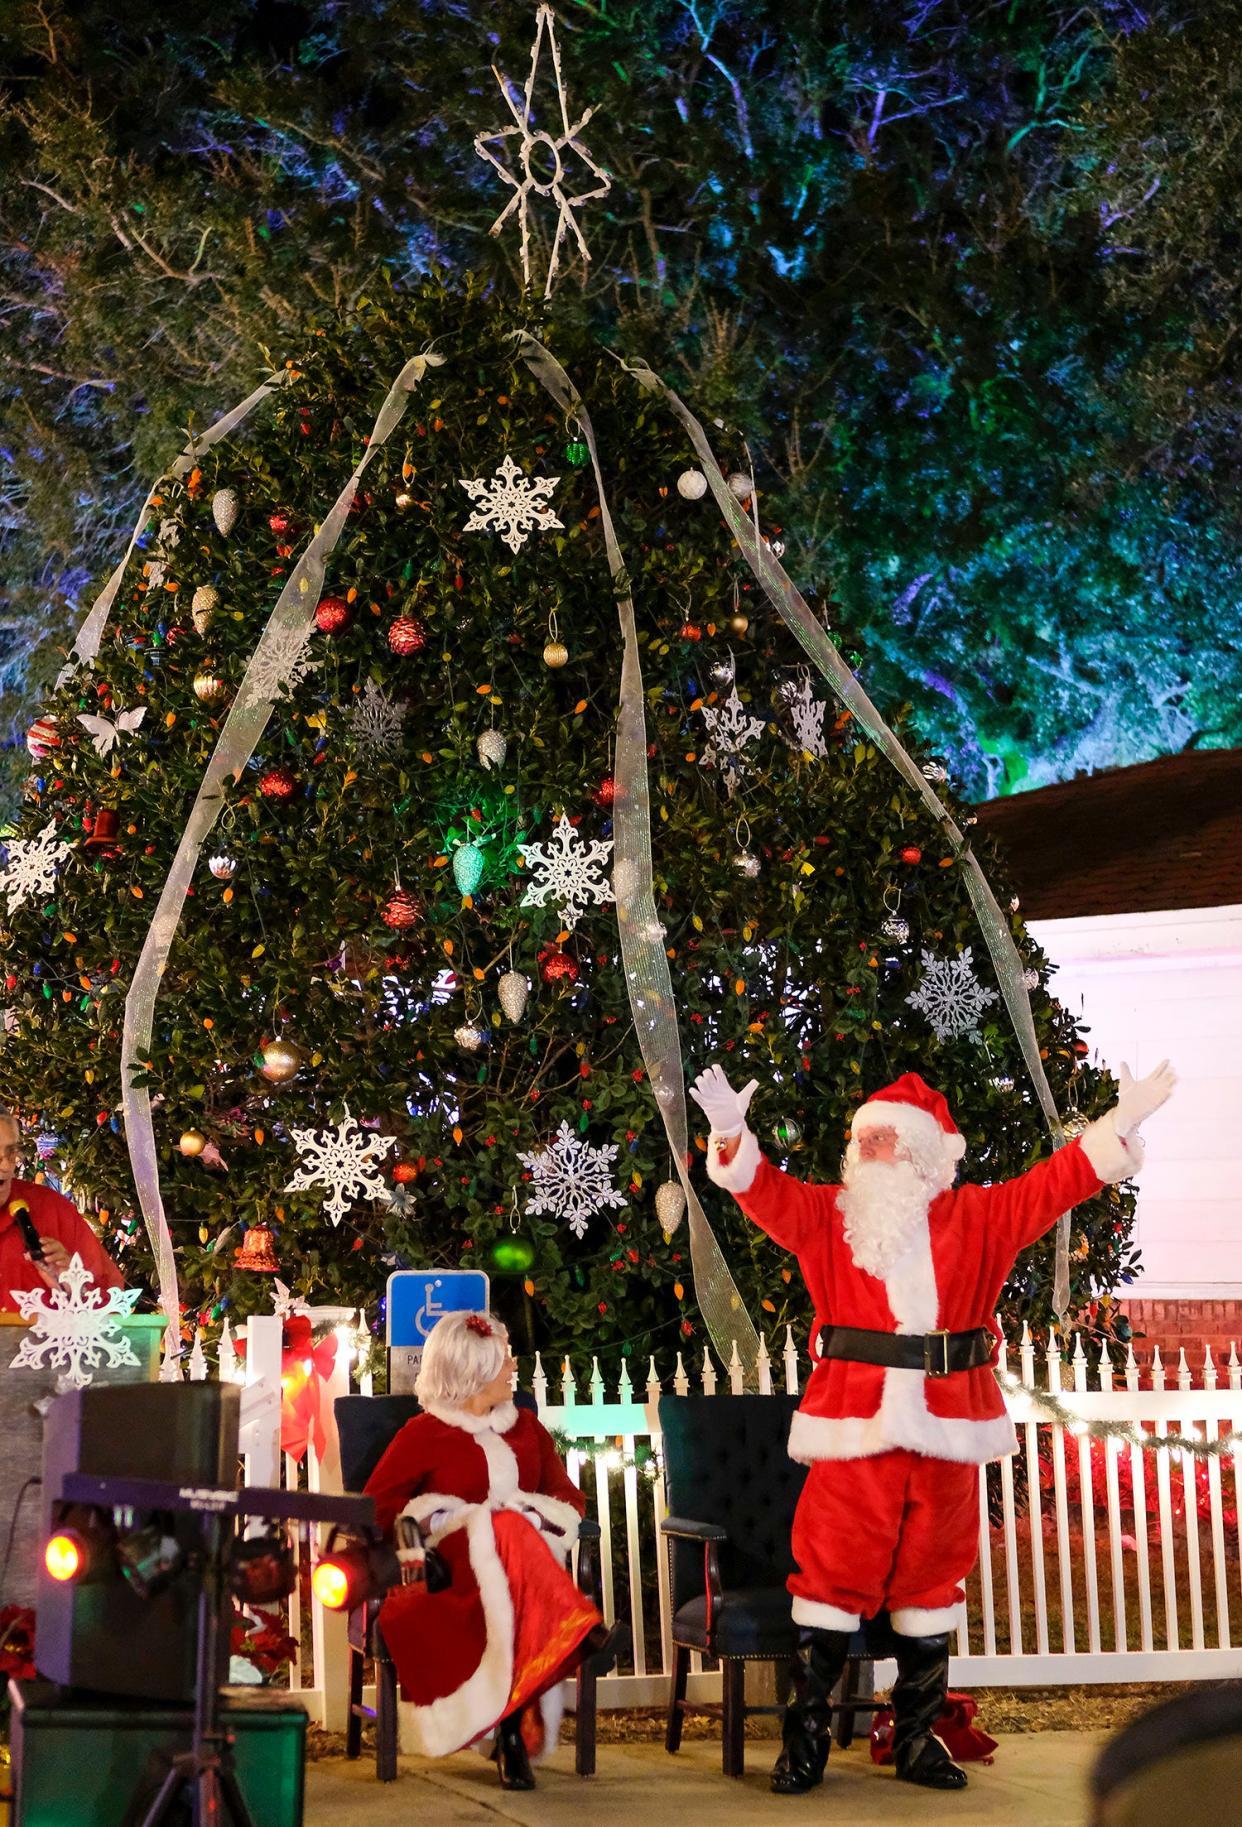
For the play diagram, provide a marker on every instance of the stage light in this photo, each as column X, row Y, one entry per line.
column 82, row 1545
column 352, row 1570
column 63, row 1556
column 150, row 1557
column 263, row 1568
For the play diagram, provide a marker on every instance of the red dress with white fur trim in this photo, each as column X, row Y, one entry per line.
column 492, row 1495
column 923, row 1432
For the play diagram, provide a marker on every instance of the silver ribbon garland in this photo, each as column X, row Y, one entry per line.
column 89, row 637
column 796, row 614
column 648, row 980
column 274, row 656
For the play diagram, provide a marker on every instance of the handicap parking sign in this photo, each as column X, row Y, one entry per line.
column 417, row 1298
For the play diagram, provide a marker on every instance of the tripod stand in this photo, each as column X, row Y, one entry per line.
column 206, row 1769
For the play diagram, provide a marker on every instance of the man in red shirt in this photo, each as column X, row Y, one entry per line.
column 63, row 1232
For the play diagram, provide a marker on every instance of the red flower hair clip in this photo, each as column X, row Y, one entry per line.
column 480, row 1327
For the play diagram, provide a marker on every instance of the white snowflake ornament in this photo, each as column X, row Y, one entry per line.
column 951, row 996
column 566, row 873
column 31, row 869
column 730, row 730
column 345, row 1161
column 75, row 1326
column 376, row 721
column 572, row 1179
column 807, row 715
column 510, row 503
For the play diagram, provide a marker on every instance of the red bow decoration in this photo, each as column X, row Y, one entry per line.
column 304, row 1366
column 955, row 1729
column 480, row 1327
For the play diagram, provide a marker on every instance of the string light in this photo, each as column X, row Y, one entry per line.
column 1192, row 1440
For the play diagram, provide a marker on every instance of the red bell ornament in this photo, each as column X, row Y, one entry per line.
column 258, row 1250
column 559, row 967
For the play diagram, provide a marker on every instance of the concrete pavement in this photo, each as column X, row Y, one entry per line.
column 1037, row 1780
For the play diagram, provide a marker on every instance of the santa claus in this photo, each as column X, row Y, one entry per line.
column 905, row 1272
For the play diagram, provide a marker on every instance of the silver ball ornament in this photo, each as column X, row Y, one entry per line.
column 741, row 485
column 747, row 863
column 692, row 485
column 722, row 672
column 492, row 748
column 895, row 928
column 786, row 1133
column 223, row 867
column 468, row 1037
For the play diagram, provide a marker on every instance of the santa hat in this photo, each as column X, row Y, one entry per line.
column 919, row 1115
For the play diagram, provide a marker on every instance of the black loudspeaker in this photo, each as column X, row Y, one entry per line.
column 100, row 1634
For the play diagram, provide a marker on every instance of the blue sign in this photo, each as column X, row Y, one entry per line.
column 417, row 1298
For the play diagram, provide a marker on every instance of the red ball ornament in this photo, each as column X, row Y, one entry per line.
column 606, row 791
column 333, row 615
column 42, row 737
column 559, row 967
column 278, row 783
column 404, row 1172
column 912, row 854
column 280, row 523
column 402, row 909
column 407, row 635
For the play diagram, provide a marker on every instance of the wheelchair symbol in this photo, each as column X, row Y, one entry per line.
column 430, row 1311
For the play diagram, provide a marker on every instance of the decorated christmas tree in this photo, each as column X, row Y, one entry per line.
column 448, row 776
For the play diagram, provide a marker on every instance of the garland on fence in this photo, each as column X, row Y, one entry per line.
column 1126, row 1433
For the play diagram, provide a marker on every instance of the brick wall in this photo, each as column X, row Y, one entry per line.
column 1189, row 1325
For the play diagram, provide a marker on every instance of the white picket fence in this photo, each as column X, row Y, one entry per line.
column 1081, row 1579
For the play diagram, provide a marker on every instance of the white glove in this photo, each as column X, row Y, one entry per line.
column 724, row 1108
column 1138, row 1098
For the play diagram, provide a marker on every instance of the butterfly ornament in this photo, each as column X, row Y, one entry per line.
column 106, row 734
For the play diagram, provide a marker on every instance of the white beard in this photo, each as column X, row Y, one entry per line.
column 884, row 1205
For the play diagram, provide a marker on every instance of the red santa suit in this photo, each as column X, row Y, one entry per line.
column 52, row 1216
column 491, row 1494
column 889, row 1514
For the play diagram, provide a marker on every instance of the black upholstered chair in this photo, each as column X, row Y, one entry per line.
column 732, row 1490
column 366, row 1426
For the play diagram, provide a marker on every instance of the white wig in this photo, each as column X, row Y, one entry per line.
column 464, row 1353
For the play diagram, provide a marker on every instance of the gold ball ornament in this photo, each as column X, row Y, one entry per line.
column 739, row 623
column 281, row 1061
column 209, row 687
column 556, row 654
column 203, row 606
column 192, row 1142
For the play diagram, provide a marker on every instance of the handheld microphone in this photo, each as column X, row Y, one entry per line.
column 30, row 1237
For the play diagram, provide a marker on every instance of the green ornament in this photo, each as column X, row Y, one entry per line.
column 786, row 1133
column 577, row 453
column 511, row 1255
column 467, row 867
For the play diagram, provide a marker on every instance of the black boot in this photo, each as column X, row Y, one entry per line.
column 808, row 1717
column 918, row 1701
column 512, row 1762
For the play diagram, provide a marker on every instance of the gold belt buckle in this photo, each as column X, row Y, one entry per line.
column 930, row 1367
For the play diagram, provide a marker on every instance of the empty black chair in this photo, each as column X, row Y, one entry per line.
column 367, row 1425
column 732, row 1490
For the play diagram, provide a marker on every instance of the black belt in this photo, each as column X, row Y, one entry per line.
column 936, row 1354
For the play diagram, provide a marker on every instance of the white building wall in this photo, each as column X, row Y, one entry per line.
column 1170, row 984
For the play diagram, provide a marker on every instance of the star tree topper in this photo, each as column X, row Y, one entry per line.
column 572, row 1179
column 566, row 872
column 345, row 1160
column 75, row 1326
column 540, row 161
